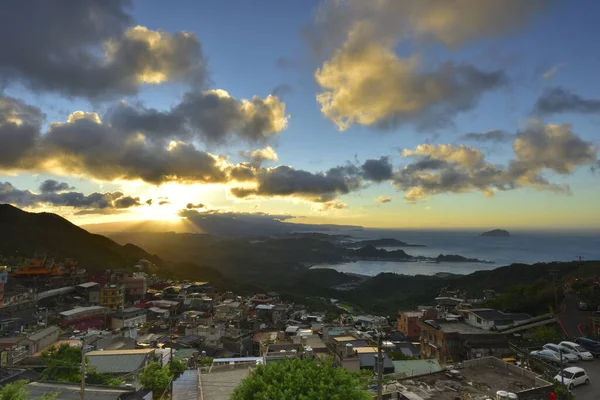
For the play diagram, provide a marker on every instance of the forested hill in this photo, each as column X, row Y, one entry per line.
column 26, row 234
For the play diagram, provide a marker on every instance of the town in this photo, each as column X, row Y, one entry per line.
column 125, row 325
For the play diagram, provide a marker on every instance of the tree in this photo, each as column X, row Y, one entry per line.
column 14, row 391
column 176, row 367
column 544, row 334
column 62, row 363
column 156, row 377
column 300, row 380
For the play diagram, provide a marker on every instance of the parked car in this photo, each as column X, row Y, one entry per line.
column 582, row 305
column 590, row 345
column 549, row 356
column 573, row 376
column 578, row 350
column 567, row 357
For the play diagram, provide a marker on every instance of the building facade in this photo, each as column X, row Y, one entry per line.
column 128, row 318
column 112, row 296
column 408, row 323
column 83, row 318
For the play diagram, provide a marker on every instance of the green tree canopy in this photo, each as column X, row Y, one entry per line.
column 156, row 377
column 14, row 391
column 300, row 380
column 63, row 363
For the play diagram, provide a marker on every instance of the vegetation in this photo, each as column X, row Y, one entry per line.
column 545, row 334
column 18, row 391
column 534, row 299
column 158, row 378
column 300, row 380
column 63, row 364
column 30, row 233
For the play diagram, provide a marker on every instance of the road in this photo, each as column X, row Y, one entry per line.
column 571, row 318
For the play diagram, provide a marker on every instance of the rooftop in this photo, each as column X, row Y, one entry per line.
column 411, row 314
column 78, row 310
column 43, row 333
column 88, row 285
column 72, row 392
column 478, row 379
column 219, row 385
column 496, row 315
column 460, row 327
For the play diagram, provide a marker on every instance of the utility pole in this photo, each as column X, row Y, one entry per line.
column 82, row 396
column 379, row 369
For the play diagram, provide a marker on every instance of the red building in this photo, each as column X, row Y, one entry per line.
column 84, row 318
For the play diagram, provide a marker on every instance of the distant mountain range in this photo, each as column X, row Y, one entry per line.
column 25, row 234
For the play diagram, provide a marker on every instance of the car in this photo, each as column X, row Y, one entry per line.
column 578, row 350
column 590, row 345
column 549, row 356
column 573, row 376
column 567, row 357
column 582, row 305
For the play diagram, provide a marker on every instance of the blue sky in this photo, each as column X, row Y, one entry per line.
column 242, row 43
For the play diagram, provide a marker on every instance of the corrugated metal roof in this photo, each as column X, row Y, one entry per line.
column 364, row 350
column 416, row 367
column 43, row 333
column 117, row 362
column 344, row 338
column 78, row 310
column 119, row 352
column 88, row 285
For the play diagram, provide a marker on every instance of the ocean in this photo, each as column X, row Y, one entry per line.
column 520, row 247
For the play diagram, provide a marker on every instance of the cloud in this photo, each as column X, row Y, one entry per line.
column 219, row 222
column 283, row 181
column 257, row 157
column 383, row 199
column 87, row 204
column 365, row 82
column 552, row 71
column 374, row 87
column 558, row 100
column 212, row 116
column 127, row 202
column 538, row 148
column 19, row 130
column 149, row 202
column 52, row 186
column 92, row 49
column 496, row 136
column 84, row 145
column 163, row 202
column 378, row 170
column 191, row 206
column 333, row 205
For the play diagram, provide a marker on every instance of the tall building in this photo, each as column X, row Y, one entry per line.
column 112, row 296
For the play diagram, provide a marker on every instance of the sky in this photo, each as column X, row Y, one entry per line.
column 407, row 114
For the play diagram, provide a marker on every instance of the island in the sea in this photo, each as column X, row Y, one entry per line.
column 496, row 233
column 371, row 253
column 385, row 242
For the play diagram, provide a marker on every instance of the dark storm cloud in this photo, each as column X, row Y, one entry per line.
column 52, row 186
column 91, row 48
column 238, row 223
column 496, row 136
column 559, row 100
column 92, row 203
column 378, row 170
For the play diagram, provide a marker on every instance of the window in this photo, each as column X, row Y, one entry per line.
column 579, row 374
column 478, row 320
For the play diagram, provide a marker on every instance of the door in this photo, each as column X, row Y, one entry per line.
column 579, row 378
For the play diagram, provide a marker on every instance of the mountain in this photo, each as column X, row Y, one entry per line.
column 27, row 234
column 496, row 233
column 385, row 242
